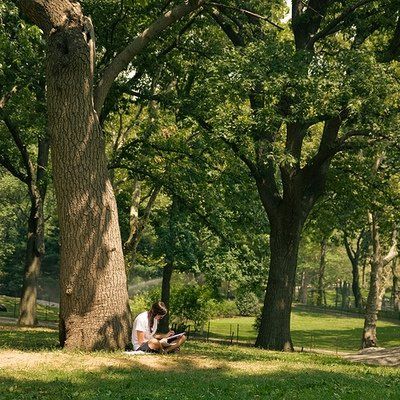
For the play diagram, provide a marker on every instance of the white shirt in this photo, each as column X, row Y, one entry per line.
column 141, row 323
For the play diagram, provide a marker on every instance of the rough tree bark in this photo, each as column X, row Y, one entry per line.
column 94, row 310
column 274, row 330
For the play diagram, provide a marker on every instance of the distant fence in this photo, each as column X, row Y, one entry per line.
column 383, row 314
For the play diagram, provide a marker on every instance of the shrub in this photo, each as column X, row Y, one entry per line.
column 224, row 309
column 247, row 303
column 191, row 303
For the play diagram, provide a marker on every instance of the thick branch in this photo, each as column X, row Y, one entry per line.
column 122, row 60
column 331, row 26
column 48, row 14
column 8, row 165
column 393, row 252
column 21, row 146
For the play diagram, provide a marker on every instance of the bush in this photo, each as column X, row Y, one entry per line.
column 248, row 304
column 224, row 309
column 191, row 303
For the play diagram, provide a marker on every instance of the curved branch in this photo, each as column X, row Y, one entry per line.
column 122, row 60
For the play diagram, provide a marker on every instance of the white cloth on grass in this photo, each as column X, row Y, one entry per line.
column 141, row 323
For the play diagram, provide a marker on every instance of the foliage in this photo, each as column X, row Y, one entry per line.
column 191, row 302
column 247, row 303
column 223, row 309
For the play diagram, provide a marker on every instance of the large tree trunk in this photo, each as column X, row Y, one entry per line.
column 94, row 310
column 274, row 330
column 321, row 272
column 165, row 294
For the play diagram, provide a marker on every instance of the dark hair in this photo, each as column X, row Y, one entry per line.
column 158, row 308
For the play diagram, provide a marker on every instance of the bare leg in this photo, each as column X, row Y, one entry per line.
column 175, row 344
column 155, row 344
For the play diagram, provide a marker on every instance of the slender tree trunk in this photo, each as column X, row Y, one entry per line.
column 274, row 331
column 33, row 258
column 35, row 243
column 369, row 338
column 364, row 268
column 303, row 288
column 321, row 272
column 165, row 294
column 355, row 285
column 354, row 256
column 396, row 285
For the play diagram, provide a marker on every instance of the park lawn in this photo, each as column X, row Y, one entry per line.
column 44, row 312
column 32, row 368
column 315, row 330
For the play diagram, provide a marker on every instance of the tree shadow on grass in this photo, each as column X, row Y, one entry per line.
column 28, row 339
column 187, row 381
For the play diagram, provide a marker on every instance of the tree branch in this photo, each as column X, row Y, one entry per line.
column 393, row 252
column 331, row 26
column 246, row 12
column 122, row 60
column 8, row 165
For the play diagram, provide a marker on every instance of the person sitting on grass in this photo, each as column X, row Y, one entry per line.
column 144, row 337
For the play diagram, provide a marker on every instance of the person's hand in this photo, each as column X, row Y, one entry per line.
column 170, row 333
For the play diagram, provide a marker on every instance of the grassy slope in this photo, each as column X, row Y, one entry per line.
column 31, row 368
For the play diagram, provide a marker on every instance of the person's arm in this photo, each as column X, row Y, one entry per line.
column 159, row 336
column 140, row 337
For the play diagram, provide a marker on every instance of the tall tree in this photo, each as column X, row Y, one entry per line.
column 284, row 109
column 94, row 310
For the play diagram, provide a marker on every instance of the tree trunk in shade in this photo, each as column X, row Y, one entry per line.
column 163, row 325
column 35, row 244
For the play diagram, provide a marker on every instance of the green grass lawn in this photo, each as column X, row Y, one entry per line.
column 44, row 312
column 312, row 329
column 31, row 367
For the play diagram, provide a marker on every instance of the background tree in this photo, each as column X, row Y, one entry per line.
column 22, row 49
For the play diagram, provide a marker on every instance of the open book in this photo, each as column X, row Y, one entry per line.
column 170, row 339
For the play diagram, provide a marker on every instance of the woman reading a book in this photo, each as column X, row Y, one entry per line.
column 144, row 336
